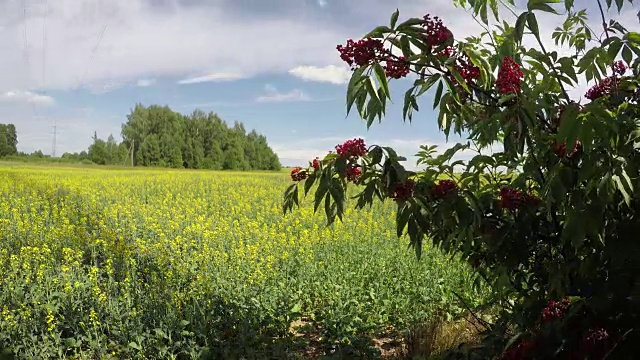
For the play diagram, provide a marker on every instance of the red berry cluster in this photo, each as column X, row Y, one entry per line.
column 443, row 188
column 595, row 344
column 561, row 150
column 353, row 173
column 368, row 51
column 523, row 350
column 509, row 76
column 362, row 52
column 555, row 309
column 619, row 68
column 316, row 163
column 397, row 68
column 513, row 199
column 605, row 86
column 600, row 89
column 436, row 33
column 352, row 148
column 467, row 70
column 298, row 174
column 403, row 191
column 463, row 65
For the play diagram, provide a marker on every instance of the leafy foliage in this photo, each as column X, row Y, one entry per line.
column 552, row 212
column 145, row 264
column 8, row 140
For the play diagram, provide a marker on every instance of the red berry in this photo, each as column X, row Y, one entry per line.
column 403, row 191
column 396, row 68
column 353, row 173
column 561, row 150
column 600, row 89
column 298, row 174
column 513, row 199
column 352, row 148
column 555, row 309
column 619, row 68
column 437, row 33
column 523, row 350
column 363, row 52
column 316, row 163
column 509, row 77
column 443, row 188
column 605, row 86
column 463, row 65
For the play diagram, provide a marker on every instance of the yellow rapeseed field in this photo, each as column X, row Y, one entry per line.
column 98, row 263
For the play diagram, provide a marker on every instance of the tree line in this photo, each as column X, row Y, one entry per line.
column 157, row 136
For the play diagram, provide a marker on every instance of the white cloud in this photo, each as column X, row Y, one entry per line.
column 322, row 3
column 330, row 73
column 145, row 82
column 17, row 96
column 215, row 40
column 273, row 95
column 216, row 77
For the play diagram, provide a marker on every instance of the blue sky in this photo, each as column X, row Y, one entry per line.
column 272, row 65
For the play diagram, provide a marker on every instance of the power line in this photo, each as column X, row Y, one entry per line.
column 44, row 43
column 44, row 73
column 26, row 43
column 93, row 53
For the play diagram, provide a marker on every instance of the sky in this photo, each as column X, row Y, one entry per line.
column 82, row 65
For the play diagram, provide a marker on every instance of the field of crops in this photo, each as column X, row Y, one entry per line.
column 98, row 263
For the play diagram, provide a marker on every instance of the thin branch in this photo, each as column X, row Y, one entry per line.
column 482, row 322
column 604, row 21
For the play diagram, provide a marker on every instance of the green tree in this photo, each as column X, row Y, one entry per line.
column 8, row 140
column 550, row 214
column 98, row 151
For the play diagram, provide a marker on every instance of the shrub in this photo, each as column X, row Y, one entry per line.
column 549, row 215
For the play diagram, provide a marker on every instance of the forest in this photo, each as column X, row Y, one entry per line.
column 159, row 137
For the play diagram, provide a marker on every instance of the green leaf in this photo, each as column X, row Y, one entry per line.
column 394, row 18
column 378, row 32
column 622, row 189
column 626, row 54
column 533, row 24
column 409, row 23
column 323, row 188
column 382, row 79
column 519, row 27
column 614, row 49
column 309, row 182
column 402, row 218
column 355, row 86
column 438, row 95
column 460, row 80
column 542, row 5
column 406, row 108
column 376, row 155
column 428, row 84
column 573, row 229
column 337, row 192
column 568, row 4
column 405, row 46
column 632, row 36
